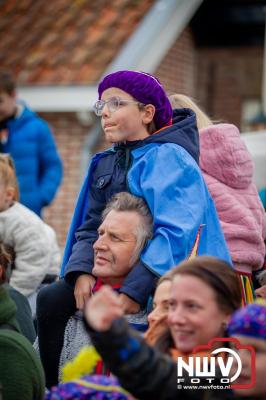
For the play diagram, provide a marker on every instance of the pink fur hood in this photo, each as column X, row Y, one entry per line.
column 228, row 169
column 225, row 157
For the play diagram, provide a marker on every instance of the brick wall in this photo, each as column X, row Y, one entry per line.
column 69, row 135
column 219, row 79
column 177, row 72
column 227, row 77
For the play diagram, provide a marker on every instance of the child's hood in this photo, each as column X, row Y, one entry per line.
column 25, row 116
column 223, row 155
column 183, row 132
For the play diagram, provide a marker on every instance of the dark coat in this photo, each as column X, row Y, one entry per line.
column 23, row 313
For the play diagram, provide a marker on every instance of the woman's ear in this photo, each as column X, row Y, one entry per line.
column 226, row 319
column 148, row 113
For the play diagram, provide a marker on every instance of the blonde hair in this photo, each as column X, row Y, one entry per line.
column 182, row 101
column 8, row 174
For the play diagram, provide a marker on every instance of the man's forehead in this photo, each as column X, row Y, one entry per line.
column 121, row 221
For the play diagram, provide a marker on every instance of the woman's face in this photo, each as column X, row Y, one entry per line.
column 259, row 345
column 194, row 317
column 160, row 302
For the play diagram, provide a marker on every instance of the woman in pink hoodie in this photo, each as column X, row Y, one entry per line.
column 228, row 171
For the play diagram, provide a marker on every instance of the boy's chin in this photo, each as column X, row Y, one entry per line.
column 113, row 137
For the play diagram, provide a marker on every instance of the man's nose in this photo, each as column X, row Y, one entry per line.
column 101, row 243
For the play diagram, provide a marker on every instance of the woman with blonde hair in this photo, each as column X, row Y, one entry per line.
column 228, row 171
column 183, row 101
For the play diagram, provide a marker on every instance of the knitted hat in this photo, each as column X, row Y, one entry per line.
column 89, row 387
column 145, row 88
column 249, row 321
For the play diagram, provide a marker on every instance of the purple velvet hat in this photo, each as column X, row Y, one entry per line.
column 145, row 88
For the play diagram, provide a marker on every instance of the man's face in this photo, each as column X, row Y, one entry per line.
column 7, row 105
column 115, row 246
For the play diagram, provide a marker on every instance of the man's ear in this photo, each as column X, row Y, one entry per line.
column 148, row 113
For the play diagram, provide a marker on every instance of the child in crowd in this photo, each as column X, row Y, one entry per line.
column 155, row 156
column 34, row 242
column 248, row 325
column 21, row 373
column 228, row 171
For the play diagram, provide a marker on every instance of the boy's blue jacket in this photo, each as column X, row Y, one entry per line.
column 38, row 165
column 163, row 169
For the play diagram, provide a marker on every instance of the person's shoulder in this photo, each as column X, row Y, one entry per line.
column 19, row 217
column 166, row 152
column 16, row 350
column 16, row 296
column 19, row 210
column 103, row 162
column 30, row 117
column 12, row 340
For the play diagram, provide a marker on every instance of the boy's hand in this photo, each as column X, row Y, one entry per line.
column 83, row 289
column 129, row 305
column 103, row 308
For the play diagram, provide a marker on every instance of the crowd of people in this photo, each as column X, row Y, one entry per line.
column 165, row 253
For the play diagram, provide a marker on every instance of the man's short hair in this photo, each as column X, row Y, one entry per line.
column 7, row 82
column 124, row 201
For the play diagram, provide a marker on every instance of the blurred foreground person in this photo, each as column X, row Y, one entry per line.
column 21, row 373
column 203, row 289
column 248, row 325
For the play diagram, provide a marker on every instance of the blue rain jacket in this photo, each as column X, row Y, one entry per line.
column 38, row 166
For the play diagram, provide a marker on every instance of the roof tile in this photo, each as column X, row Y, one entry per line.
column 62, row 42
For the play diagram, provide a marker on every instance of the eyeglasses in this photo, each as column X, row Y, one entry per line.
column 113, row 105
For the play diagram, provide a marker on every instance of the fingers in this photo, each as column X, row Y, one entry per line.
column 81, row 300
column 83, row 289
column 103, row 308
